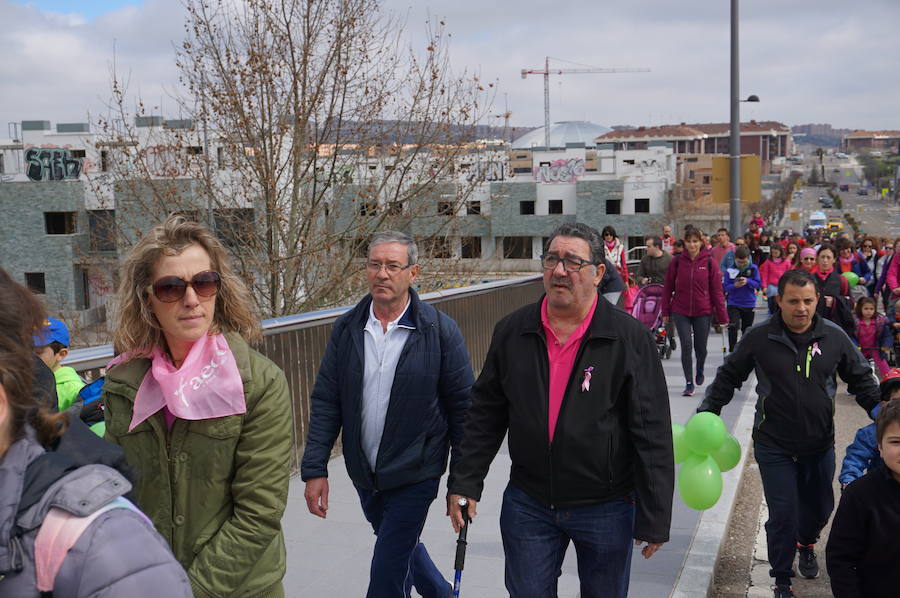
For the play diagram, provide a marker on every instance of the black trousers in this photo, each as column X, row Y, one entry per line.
column 738, row 316
column 693, row 332
column 800, row 499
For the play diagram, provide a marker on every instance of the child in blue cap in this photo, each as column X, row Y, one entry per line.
column 51, row 345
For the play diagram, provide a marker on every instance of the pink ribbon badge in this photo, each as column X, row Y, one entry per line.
column 816, row 350
column 586, row 383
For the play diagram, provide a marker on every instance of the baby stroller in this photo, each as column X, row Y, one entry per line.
column 647, row 308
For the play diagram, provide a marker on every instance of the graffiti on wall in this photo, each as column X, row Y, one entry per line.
column 559, row 171
column 487, row 172
column 51, row 164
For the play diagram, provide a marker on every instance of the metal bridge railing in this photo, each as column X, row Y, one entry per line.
column 297, row 343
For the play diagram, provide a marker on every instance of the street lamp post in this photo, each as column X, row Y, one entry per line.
column 734, row 157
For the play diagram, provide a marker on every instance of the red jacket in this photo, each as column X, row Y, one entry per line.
column 694, row 287
column 770, row 272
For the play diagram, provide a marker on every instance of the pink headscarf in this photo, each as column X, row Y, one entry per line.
column 807, row 252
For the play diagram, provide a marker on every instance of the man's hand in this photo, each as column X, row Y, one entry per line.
column 665, row 319
column 741, row 281
column 455, row 511
column 650, row 549
column 316, row 495
column 829, row 300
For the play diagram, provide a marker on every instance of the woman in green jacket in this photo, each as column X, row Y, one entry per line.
column 205, row 421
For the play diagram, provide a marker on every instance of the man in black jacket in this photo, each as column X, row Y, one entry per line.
column 795, row 354
column 579, row 388
column 396, row 381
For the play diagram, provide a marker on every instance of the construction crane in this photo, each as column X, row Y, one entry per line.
column 546, row 72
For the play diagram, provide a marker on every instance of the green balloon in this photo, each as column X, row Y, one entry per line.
column 728, row 455
column 679, row 445
column 700, row 482
column 99, row 429
column 705, row 432
column 852, row 278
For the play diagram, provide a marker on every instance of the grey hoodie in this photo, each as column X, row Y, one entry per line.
column 119, row 554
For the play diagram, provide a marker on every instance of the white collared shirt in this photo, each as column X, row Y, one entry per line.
column 382, row 352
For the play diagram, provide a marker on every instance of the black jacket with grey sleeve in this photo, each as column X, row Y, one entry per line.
column 796, row 385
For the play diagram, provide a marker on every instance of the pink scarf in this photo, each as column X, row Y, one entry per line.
column 207, row 385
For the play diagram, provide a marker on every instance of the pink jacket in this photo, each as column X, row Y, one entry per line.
column 892, row 278
column 694, row 287
column 770, row 272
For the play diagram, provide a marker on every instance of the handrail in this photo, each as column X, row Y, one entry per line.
column 98, row 356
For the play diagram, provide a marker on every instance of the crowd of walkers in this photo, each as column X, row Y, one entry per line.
column 181, row 489
column 714, row 282
column 833, row 304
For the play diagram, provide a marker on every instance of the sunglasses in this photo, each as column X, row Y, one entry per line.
column 172, row 288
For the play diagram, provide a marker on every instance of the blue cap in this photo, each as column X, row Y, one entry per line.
column 52, row 330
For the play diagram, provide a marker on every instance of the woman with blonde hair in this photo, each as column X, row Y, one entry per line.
column 67, row 529
column 205, row 421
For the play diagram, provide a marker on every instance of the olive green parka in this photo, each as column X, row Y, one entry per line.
column 216, row 489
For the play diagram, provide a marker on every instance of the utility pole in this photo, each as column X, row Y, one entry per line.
column 734, row 160
column 546, row 72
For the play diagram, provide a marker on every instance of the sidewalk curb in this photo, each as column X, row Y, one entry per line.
column 696, row 575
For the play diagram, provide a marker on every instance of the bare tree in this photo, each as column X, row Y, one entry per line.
column 313, row 124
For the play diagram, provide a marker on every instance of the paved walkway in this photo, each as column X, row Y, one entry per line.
column 331, row 557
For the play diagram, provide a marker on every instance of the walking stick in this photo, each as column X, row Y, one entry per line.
column 461, row 546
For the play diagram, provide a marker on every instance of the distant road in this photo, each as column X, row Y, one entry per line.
column 876, row 217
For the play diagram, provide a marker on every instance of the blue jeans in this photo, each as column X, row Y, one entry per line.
column 800, row 499
column 400, row 560
column 535, row 539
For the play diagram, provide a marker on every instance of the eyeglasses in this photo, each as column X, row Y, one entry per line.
column 867, row 246
column 169, row 289
column 392, row 269
column 809, row 259
column 571, row 264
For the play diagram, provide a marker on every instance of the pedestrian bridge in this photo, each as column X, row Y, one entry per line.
column 331, row 557
column 297, row 343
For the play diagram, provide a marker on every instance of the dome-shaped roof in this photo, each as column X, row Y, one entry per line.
column 561, row 133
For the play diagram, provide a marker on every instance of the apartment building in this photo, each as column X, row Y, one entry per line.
column 771, row 141
column 871, row 140
column 71, row 210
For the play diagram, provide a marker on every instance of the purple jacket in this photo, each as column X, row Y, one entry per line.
column 694, row 287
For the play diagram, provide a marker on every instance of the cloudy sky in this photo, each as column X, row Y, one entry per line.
column 827, row 61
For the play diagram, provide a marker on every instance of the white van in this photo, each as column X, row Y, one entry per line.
column 817, row 220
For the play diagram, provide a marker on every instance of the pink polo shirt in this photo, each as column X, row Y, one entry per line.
column 562, row 359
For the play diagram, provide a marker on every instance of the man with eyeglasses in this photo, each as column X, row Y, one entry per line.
column 579, row 388
column 396, row 378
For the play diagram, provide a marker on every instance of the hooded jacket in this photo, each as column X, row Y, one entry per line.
column 795, row 385
column 68, row 383
column 611, row 440
column 215, row 488
column 744, row 296
column 694, row 287
column 119, row 554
